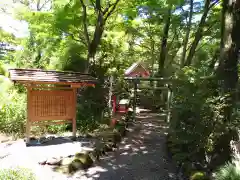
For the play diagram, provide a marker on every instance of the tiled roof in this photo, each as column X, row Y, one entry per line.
column 133, row 67
column 38, row 75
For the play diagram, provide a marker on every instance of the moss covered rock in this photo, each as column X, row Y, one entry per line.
column 66, row 161
column 75, row 165
column 96, row 154
column 85, row 159
column 199, row 176
column 112, row 136
column 62, row 169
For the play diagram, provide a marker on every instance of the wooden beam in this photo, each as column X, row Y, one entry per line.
column 50, row 122
column 58, row 83
column 154, row 88
column 48, row 87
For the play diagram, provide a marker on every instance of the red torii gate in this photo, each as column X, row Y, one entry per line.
column 135, row 70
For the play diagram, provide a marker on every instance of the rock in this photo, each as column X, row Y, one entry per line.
column 69, row 156
column 62, row 169
column 122, row 130
column 113, row 136
column 49, row 138
column 107, row 147
column 85, row 159
column 42, row 162
column 66, row 161
column 73, row 138
column 117, row 137
column 42, row 139
column 75, row 165
column 32, row 139
column 53, row 161
column 99, row 149
column 96, row 153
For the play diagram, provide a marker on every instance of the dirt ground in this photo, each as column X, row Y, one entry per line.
column 141, row 155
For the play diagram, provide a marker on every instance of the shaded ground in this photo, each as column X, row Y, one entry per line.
column 141, row 155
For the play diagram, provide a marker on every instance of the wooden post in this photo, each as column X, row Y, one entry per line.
column 28, row 124
column 74, row 125
column 169, row 99
column 134, row 99
column 110, row 96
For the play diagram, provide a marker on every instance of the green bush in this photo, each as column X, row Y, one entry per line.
column 18, row 174
column 230, row 171
column 13, row 112
column 190, row 125
column 198, row 132
column 54, row 129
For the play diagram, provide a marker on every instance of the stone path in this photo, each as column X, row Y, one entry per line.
column 141, row 156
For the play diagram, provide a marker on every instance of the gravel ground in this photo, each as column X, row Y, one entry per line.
column 141, row 155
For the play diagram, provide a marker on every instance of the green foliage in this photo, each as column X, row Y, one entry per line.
column 199, row 176
column 198, row 132
column 13, row 113
column 12, row 106
column 230, row 171
column 17, row 173
column 190, row 124
column 92, row 104
column 54, row 129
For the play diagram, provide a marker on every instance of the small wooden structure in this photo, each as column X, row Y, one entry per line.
column 123, row 106
column 51, row 95
column 137, row 69
column 166, row 81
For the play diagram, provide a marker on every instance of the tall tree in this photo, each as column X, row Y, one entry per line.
column 228, row 69
column 163, row 52
column 200, row 30
column 185, row 41
column 102, row 14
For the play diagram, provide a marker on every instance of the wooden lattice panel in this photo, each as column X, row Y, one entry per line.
column 51, row 105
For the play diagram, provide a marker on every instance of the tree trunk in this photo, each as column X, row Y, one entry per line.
column 228, row 69
column 152, row 60
column 227, row 78
column 95, row 42
column 163, row 52
column 185, row 41
column 102, row 16
column 223, row 34
column 199, row 32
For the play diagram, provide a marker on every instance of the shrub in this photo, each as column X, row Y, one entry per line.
column 13, row 112
column 230, row 171
column 54, row 129
column 17, row 173
column 198, row 133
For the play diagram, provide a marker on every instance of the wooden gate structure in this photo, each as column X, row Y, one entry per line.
column 167, row 87
column 51, row 95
